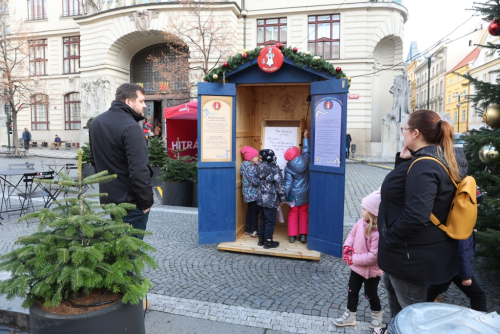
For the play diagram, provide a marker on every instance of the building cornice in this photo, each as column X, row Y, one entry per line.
column 485, row 66
column 163, row 6
column 307, row 9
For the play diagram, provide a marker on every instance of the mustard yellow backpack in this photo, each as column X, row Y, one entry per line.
column 463, row 212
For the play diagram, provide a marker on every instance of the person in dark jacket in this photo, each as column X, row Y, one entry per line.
column 348, row 140
column 297, row 190
column 26, row 139
column 117, row 145
column 413, row 252
column 464, row 280
column 57, row 142
column 271, row 195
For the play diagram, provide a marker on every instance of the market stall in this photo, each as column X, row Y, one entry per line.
column 264, row 99
column 182, row 128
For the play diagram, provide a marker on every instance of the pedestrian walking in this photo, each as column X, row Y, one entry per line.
column 413, row 252
column 360, row 254
column 251, row 181
column 297, row 190
column 464, row 280
column 348, row 140
column 26, row 139
column 117, row 145
column 271, row 195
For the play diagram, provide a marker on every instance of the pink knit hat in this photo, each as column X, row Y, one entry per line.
column 249, row 152
column 371, row 203
column 292, row 153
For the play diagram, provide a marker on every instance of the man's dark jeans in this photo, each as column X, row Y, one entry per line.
column 474, row 292
column 138, row 219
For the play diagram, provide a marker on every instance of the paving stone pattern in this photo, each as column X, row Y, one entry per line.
column 202, row 275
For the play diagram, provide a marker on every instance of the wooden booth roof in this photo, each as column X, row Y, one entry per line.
column 250, row 73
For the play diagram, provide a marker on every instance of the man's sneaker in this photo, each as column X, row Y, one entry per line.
column 254, row 234
column 347, row 319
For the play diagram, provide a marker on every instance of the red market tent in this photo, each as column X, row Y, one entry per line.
column 184, row 111
column 182, row 128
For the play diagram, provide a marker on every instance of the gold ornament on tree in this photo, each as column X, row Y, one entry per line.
column 215, row 76
column 489, row 155
column 491, row 116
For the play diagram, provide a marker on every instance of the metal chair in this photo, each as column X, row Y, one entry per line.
column 26, row 165
column 26, row 198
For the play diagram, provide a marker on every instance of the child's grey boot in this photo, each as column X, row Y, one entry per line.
column 347, row 319
column 377, row 318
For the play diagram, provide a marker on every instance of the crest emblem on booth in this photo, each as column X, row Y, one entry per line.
column 216, row 105
column 328, row 105
column 270, row 59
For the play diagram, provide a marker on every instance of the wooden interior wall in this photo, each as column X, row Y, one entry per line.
column 253, row 105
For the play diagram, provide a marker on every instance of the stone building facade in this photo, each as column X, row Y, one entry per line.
column 90, row 47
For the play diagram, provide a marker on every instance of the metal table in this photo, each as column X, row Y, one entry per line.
column 4, row 183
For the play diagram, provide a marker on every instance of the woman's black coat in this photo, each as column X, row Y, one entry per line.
column 411, row 247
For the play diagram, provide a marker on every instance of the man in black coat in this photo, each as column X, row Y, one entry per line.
column 117, row 145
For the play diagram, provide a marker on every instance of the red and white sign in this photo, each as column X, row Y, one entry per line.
column 270, row 59
column 216, row 105
column 353, row 96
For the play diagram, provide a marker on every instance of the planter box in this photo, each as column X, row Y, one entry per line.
column 195, row 195
column 116, row 319
column 177, row 193
column 155, row 181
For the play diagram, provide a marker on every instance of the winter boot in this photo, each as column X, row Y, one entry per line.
column 377, row 318
column 271, row 244
column 347, row 319
column 261, row 240
column 303, row 238
column 292, row 239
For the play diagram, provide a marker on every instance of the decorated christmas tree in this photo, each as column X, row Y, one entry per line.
column 482, row 150
column 78, row 249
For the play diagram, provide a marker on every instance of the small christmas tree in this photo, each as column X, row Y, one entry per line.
column 482, row 151
column 157, row 151
column 179, row 168
column 85, row 153
column 78, row 249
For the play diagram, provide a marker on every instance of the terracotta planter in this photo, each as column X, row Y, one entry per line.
column 116, row 319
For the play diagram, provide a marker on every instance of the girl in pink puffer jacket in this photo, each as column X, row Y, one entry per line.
column 360, row 254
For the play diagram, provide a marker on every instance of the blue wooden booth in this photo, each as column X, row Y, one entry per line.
column 255, row 96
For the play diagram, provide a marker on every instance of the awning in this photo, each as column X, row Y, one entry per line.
column 183, row 111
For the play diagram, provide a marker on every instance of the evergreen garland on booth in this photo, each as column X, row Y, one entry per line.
column 487, row 175
column 78, row 249
column 301, row 59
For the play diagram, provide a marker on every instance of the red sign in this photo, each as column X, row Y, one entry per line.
column 216, row 105
column 354, row 96
column 270, row 59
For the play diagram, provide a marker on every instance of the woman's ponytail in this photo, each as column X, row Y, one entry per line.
column 446, row 142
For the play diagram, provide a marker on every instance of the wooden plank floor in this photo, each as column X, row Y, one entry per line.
column 247, row 244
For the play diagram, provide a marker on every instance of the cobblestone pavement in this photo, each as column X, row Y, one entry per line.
column 246, row 288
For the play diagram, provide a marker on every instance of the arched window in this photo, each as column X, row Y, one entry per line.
column 161, row 67
column 39, row 112
column 72, row 115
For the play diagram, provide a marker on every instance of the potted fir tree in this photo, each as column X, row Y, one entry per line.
column 157, row 155
column 87, row 168
column 82, row 271
column 177, row 179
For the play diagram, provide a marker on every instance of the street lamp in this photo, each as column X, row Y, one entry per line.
column 456, row 95
column 429, row 61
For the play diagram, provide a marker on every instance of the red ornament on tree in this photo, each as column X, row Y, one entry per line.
column 224, row 64
column 279, row 45
column 338, row 69
column 295, row 50
column 244, row 55
column 494, row 28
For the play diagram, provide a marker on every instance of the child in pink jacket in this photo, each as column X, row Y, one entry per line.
column 360, row 254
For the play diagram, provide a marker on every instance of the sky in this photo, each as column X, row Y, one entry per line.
column 430, row 20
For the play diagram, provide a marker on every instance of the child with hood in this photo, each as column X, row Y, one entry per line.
column 251, row 181
column 297, row 190
column 271, row 195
